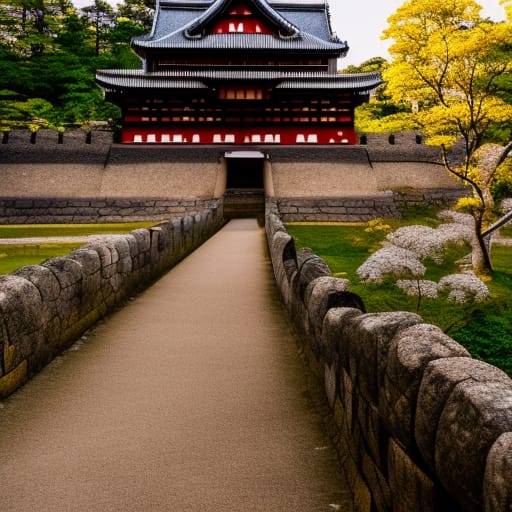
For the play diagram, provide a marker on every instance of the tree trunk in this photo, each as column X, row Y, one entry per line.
column 480, row 256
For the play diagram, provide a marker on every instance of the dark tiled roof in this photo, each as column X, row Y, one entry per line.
column 115, row 78
column 304, row 25
column 177, row 40
column 180, row 79
column 283, row 26
column 357, row 81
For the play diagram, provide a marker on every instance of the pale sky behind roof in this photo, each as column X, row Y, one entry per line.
column 361, row 22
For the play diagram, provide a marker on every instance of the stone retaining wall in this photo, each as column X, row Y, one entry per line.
column 92, row 210
column 419, row 424
column 44, row 308
column 362, row 208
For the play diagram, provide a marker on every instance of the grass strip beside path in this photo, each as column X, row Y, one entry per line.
column 32, row 244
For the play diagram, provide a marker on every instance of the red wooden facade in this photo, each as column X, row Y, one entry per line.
column 238, row 72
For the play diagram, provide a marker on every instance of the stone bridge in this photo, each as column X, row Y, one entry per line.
column 189, row 394
column 192, row 396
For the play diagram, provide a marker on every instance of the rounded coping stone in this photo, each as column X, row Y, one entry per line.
column 21, row 309
column 103, row 252
column 409, row 353
column 143, row 238
column 320, row 296
column 89, row 259
column 368, row 346
column 66, row 270
column 439, row 379
column 475, row 415
column 310, row 267
column 498, row 476
column 43, row 279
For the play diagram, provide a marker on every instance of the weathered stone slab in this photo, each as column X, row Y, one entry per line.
column 439, row 379
column 498, row 476
column 409, row 353
column 369, row 345
column 475, row 415
column 88, row 259
column 43, row 279
column 66, row 270
column 322, row 294
column 411, row 488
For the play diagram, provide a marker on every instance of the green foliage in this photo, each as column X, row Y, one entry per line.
column 488, row 331
column 47, row 63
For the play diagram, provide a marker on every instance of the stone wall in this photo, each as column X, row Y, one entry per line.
column 363, row 208
column 92, row 210
column 44, row 308
column 91, row 179
column 420, row 425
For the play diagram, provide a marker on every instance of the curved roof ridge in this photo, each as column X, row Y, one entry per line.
column 285, row 28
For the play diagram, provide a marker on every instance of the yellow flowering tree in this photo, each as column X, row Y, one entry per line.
column 448, row 60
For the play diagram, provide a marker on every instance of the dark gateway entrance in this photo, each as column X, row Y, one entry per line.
column 245, row 195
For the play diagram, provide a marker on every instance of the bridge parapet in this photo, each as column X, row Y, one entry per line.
column 419, row 424
column 44, row 308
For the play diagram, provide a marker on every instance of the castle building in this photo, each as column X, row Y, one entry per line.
column 238, row 72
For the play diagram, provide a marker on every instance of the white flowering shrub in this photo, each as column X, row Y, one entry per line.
column 391, row 259
column 457, row 217
column 455, row 232
column 405, row 248
column 427, row 242
column 464, row 287
column 415, row 238
column 422, row 287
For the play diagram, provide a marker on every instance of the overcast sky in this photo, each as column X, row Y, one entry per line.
column 361, row 23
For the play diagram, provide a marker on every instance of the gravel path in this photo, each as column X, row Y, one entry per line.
column 190, row 398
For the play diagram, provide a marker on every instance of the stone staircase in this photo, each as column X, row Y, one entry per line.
column 244, row 203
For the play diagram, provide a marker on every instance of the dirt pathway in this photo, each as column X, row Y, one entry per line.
column 191, row 398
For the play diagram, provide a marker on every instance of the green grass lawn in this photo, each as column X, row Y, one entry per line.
column 506, row 232
column 42, row 230
column 14, row 256
column 485, row 329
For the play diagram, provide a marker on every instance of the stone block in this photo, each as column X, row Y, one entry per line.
column 43, row 279
column 336, row 328
column 309, row 267
column 375, row 436
column 411, row 488
column 67, row 271
column 322, row 294
column 11, row 381
column 498, row 476
column 377, row 484
column 20, row 306
column 409, row 353
column 88, row 259
column 368, row 348
column 475, row 416
column 439, row 380
column 143, row 239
